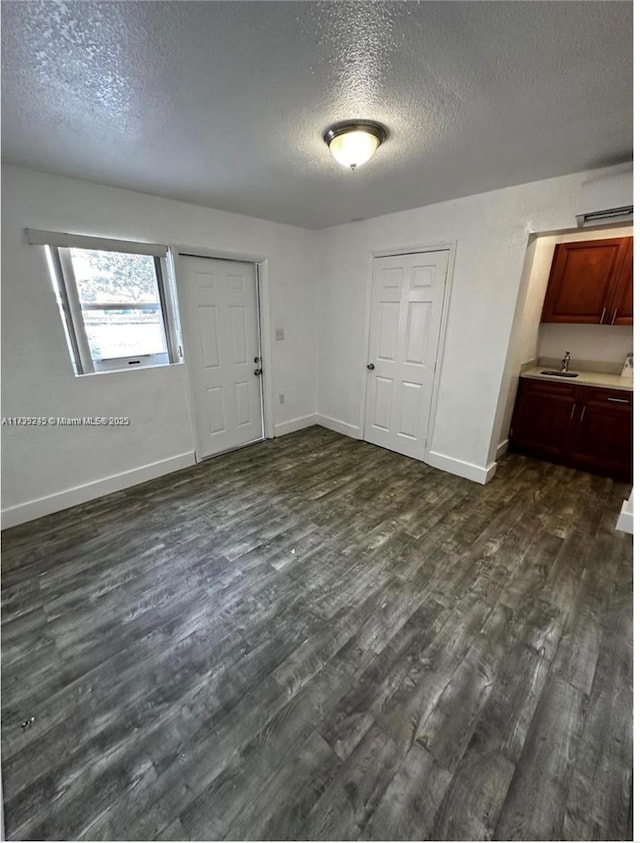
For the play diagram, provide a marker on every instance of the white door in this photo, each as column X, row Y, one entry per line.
column 219, row 309
column 406, row 311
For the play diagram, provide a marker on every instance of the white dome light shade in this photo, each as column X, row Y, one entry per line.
column 353, row 144
column 353, row 148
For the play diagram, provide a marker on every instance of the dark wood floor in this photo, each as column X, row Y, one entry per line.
column 314, row 638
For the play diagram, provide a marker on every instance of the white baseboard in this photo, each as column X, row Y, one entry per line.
column 339, row 426
column 14, row 515
column 625, row 519
column 468, row 470
column 501, row 450
column 294, row 424
column 462, row 469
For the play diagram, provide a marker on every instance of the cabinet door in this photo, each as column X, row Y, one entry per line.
column 583, row 281
column 623, row 305
column 603, row 436
column 543, row 418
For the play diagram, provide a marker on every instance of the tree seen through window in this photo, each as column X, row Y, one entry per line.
column 107, row 279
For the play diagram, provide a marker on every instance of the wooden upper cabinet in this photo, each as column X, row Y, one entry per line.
column 586, row 283
column 623, row 310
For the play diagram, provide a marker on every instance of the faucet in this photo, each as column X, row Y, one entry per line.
column 565, row 362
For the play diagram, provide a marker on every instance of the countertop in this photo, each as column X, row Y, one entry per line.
column 584, row 378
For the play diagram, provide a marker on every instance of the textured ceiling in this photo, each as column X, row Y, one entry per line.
column 225, row 103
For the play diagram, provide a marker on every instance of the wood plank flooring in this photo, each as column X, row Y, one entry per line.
column 314, row 638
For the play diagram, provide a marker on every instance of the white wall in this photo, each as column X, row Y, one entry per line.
column 37, row 374
column 533, row 293
column 602, row 343
column 625, row 519
column 319, row 282
column 491, row 233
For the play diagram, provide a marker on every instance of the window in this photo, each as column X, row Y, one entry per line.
column 115, row 301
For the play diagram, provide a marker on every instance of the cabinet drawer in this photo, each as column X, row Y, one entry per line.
column 614, row 399
column 551, row 389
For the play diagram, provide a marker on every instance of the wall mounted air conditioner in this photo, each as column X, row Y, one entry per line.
column 607, row 199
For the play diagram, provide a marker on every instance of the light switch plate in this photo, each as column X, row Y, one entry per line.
column 279, row 334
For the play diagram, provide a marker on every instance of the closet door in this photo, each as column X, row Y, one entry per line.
column 406, row 312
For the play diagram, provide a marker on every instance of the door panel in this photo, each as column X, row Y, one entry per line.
column 410, row 395
column 243, row 411
column 216, row 409
column 218, row 302
column 240, row 353
column 389, row 312
column 383, row 400
column 423, row 276
column 392, row 277
column 406, row 310
column 417, row 333
column 209, row 336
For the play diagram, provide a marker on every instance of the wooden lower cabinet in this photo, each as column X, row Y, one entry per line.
column 603, row 433
column 543, row 418
column 586, row 427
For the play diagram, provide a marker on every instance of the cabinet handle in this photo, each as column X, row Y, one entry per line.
column 615, row 313
column 573, row 409
column 619, row 400
column 583, row 412
column 604, row 310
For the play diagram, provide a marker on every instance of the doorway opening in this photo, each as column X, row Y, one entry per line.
column 603, row 346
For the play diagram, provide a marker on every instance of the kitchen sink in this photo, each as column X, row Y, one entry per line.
column 559, row 374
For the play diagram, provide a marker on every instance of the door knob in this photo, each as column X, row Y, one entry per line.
column 257, row 371
column 370, row 366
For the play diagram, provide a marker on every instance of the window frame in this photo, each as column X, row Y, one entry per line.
column 71, row 308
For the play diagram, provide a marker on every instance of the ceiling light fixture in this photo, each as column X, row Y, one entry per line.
column 353, row 142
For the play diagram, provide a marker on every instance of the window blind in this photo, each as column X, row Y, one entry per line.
column 78, row 241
